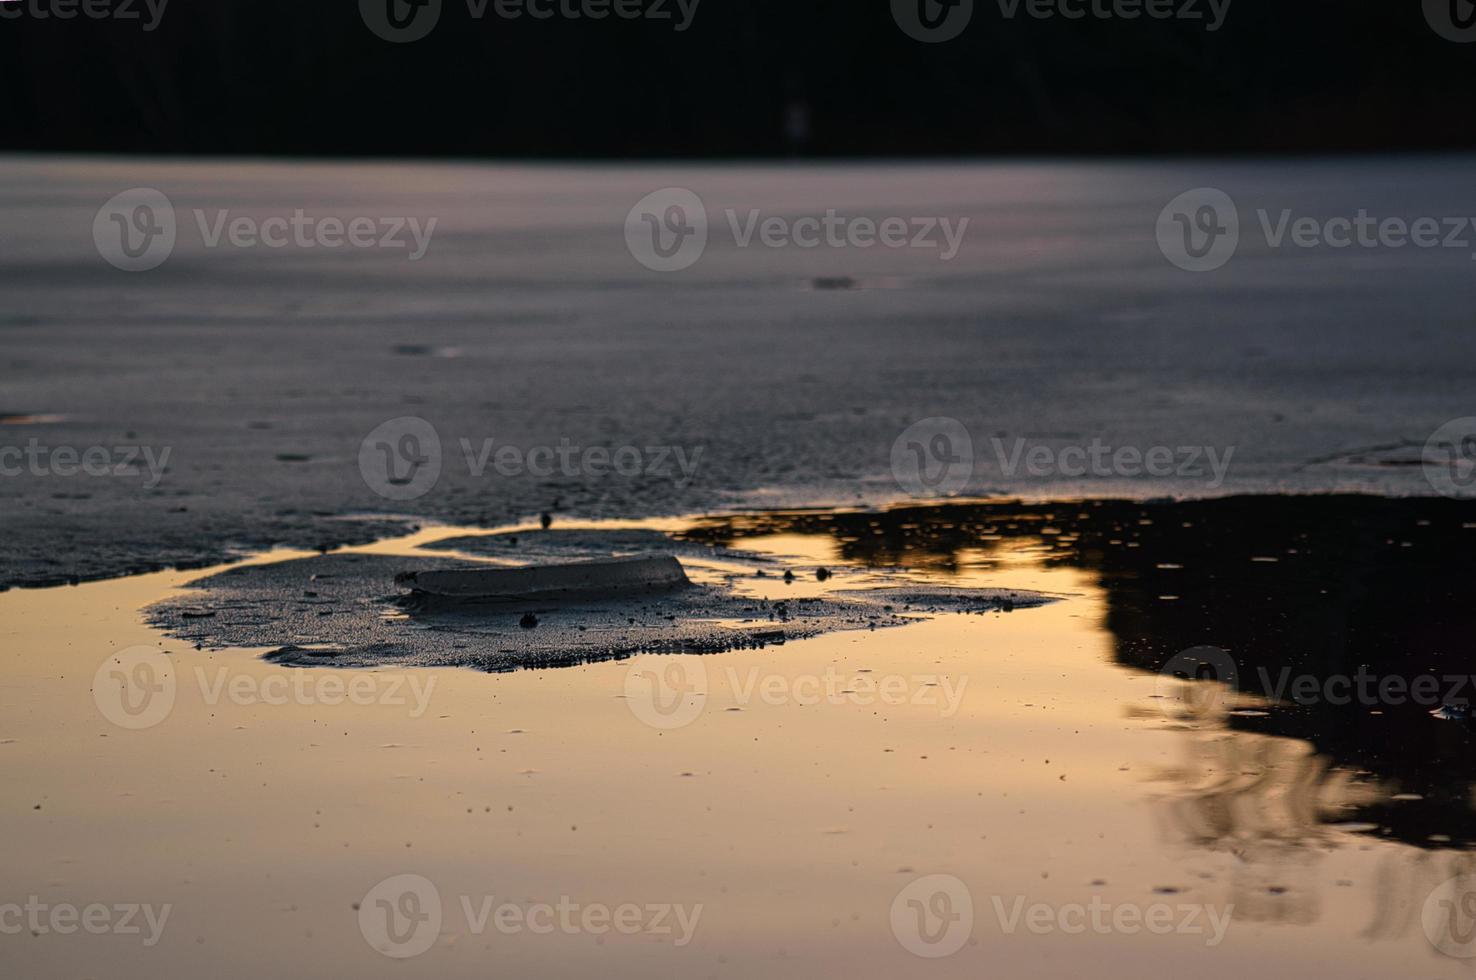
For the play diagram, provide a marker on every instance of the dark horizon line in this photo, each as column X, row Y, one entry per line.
column 288, row 156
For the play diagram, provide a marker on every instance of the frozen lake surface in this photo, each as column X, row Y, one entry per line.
column 529, row 323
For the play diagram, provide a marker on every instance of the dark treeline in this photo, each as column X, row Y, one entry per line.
column 746, row 78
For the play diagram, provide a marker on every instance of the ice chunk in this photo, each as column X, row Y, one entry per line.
column 571, row 580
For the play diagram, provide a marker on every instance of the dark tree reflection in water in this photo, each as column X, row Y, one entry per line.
column 1376, row 592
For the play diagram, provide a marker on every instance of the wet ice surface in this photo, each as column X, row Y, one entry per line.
column 348, row 610
column 1034, row 757
column 528, row 322
column 1290, row 588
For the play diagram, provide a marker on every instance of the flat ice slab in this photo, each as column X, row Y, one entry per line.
column 585, row 579
column 352, row 610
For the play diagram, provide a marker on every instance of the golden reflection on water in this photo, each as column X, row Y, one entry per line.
column 1056, row 776
column 1280, row 808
